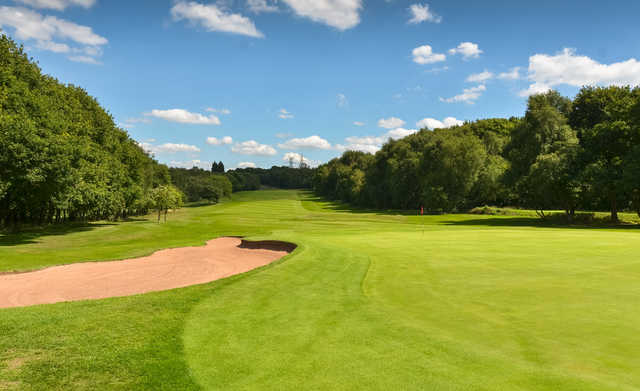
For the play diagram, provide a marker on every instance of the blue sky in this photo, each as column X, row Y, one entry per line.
column 252, row 82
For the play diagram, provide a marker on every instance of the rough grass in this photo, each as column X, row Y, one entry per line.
column 369, row 300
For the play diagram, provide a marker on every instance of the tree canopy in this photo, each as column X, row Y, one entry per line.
column 61, row 155
column 562, row 154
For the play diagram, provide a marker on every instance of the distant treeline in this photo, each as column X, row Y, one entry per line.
column 580, row 154
column 201, row 185
column 279, row 177
column 62, row 158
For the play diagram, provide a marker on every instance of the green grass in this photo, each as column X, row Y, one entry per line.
column 369, row 300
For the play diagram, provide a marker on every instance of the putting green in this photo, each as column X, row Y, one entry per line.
column 367, row 301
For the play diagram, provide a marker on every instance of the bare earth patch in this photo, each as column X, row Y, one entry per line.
column 164, row 269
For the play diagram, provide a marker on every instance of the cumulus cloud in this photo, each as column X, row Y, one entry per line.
column 469, row 95
column 47, row 30
column 432, row 123
column 260, row 6
column 212, row 18
column 568, row 68
column 59, row 5
column 284, row 114
column 512, row 74
column 226, row 140
column 390, row 123
column 296, row 158
column 252, row 147
column 246, row 165
column 184, row 117
column 340, row 14
column 218, row 111
column 311, row 142
column 421, row 13
column 399, row 133
column 85, row 59
column 467, row 49
column 168, row 148
column 372, row 144
column 480, row 77
column 424, row 55
column 53, row 46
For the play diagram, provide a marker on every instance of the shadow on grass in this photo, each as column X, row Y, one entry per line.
column 508, row 221
column 31, row 234
column 465, row 219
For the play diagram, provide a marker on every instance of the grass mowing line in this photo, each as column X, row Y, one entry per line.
column 477, row 303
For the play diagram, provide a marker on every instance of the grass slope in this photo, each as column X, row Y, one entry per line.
column 368, row 301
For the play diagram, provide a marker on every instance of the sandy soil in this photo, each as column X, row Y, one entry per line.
column 165, row 269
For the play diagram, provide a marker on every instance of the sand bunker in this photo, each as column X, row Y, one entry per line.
column 165, row 269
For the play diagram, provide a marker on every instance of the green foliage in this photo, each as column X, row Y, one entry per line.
column 201, row 185
column 440, row 170
column 562, row 154
column 61, row 155
column 166, row 197
column 244, row 179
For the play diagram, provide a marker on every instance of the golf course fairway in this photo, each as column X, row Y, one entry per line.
column 368, row 301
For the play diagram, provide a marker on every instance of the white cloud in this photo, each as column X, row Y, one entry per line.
column 226, row 140
column 212, row 18
column 437, row 70
column 480, row 77
column 311, row 142
column 369, row 148
column 53, row 46
column 425, row 55
column 190, row 164
column 296, row 158
column 513, row 74
column 341, row 14
column 533, row 89
column 168, row 148
column 390, row 123
column 372, row 144
column 246, row 165
column 467, row 49
column 85, row 60
column 432, row 123
column 184, row 117
column 421, row 13
column 400, row 133
column 58, row 5
column 358, row 123
column 173, row 148
column 469, row 95
column 30, row 25
column 252, row 147
column 219, row 111
column 568, row 68
column 259, row 6
column 342, row 100
column 284, row 114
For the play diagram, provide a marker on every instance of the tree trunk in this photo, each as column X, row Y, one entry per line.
column 614, row 207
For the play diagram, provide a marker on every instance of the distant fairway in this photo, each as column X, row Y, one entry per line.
column 367, row 301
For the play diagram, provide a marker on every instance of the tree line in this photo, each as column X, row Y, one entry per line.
column 580, row 154
column 244, row 179
column 62, row 157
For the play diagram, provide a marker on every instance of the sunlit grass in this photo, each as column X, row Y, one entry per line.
column 369, row 300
